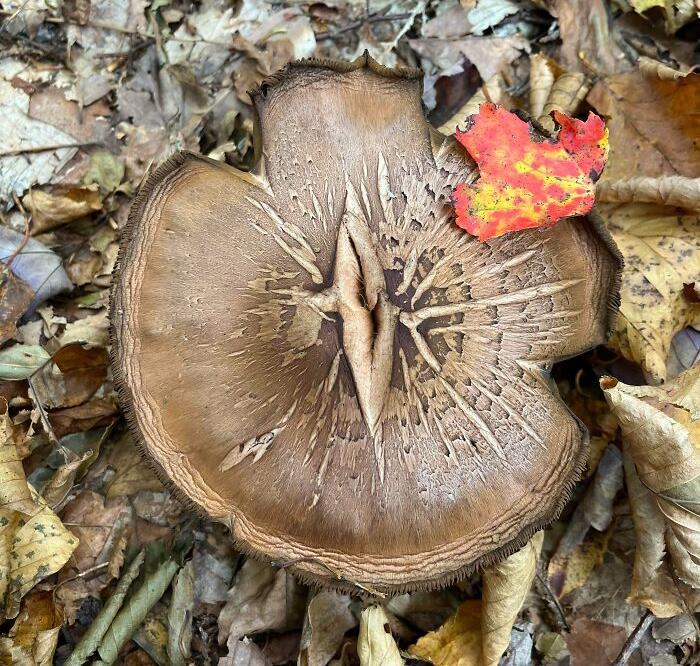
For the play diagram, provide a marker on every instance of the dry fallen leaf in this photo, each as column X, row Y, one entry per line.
column 661, row 437
column 527, row 180
column 51, row 208
column 33, row 637
column 661, row 249
column 479, row 633
column 33, row 541
column 653, row 125
column 328, row 618
column 375, row 644
column 262, row 598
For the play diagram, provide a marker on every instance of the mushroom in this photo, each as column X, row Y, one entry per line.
column 316, row 355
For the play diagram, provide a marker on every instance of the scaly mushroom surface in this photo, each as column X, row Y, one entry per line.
column 316, row 355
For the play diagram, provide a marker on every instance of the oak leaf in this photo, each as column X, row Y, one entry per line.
column 527, row 180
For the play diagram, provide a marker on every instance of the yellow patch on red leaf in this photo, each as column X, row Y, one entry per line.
column 526, row 179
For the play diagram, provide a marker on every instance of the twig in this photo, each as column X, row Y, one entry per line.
column 634, row 639
column 329, row 34
column 552, row 598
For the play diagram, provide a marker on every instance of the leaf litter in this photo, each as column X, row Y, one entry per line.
column 113, row 569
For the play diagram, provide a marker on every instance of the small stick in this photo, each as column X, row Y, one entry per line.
column 634, row 639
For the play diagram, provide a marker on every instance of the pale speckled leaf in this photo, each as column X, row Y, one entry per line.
column 661, row 249
column 661, row 437
column 33, row 541
column 22, row 361
column 375, row 644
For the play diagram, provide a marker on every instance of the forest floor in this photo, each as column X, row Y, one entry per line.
column 95, row 93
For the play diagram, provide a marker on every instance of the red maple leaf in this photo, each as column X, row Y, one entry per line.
column 527, row 179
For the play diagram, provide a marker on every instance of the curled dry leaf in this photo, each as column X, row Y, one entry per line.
column 661, row 436
column 652, row 67
column 33, row 637
column 33, row 541
column 676, row 12
column 553, row 89
column 54, row 207
column 375, row 644
column 262, row 598
column 662, row 253
column 668, row 190
column 328, row 618
column 478, row 634
column 180, row 616
column 527, row 180
column 505, row 587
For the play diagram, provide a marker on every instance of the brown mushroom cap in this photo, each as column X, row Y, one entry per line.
column 320, row 358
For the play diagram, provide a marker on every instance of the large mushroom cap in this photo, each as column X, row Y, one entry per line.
column 320, row 358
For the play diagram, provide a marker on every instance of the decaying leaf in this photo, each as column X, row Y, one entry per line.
column 661, row 248
column 579, row 551
column 180, row 616
column 33, row 541
column 668, row 190
column 375, row 644
column 261, row 598
column 328, row 618
column 479, row 633
column 51, row 208
column 635, row 106
column 33, row 637
column 661, row 437
column 15, row 297
column 527, row 180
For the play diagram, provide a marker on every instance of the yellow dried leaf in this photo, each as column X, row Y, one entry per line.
column 375, row 644
column 52, row 208
column 505, row 586
column 479, row 633
column 662, row 253
column 661, row 438
column 457, row 642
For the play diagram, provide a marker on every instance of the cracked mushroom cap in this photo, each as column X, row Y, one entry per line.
column 316, row 355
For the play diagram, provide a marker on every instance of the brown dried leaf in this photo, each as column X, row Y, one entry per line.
column 589, row 39
column 668, row 190
column 636, row 106
column 34, row 635
column 15, row 297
